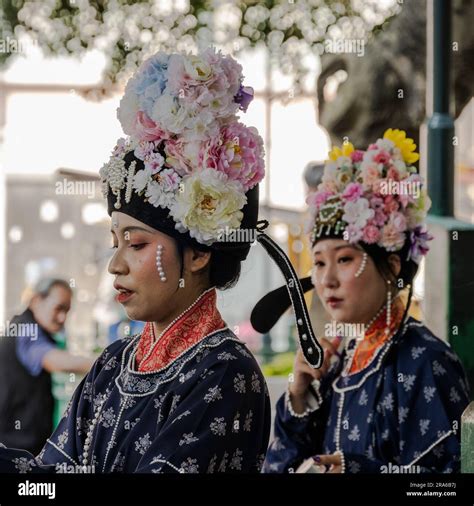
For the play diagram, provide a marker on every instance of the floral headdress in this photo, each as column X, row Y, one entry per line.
column 374, row 196
column 190, row 155
column 190, row 169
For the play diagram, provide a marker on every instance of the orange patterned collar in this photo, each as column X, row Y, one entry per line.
column 376, row 336
column 199, row 320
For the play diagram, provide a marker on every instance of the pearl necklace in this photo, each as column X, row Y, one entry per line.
column 88, row 440
column 351, row 352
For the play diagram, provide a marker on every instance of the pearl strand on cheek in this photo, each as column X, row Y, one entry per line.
column 159, row 265
column 362, row 265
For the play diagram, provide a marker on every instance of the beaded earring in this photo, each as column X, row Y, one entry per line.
column 389, row 305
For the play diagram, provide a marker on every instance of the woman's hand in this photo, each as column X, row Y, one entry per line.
column 304, row 374
column 333, row 460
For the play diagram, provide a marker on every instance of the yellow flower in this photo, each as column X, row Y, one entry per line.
column 403, row 143
column 336, row 152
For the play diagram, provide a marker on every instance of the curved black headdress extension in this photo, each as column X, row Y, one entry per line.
column 310, row 346
column 271, row 307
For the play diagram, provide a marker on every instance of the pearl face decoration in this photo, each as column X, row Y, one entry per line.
column 362, row 265
column 159, row 265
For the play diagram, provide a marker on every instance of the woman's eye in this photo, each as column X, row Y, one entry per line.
column 345, row 259
column 137, row 247
column 319, row 264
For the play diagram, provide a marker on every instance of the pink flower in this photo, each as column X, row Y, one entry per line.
column 377, row 204
column 380, row 217
column 209, row 81
column 376, row 186
column 145, row 129
column 392, row 173
column 398, row 221
column 390, row 204
column 238, row 152
column 353, row 191
column 392, row 239
column 154, row 162
column 316, row 199
column 382, row 157
column 370, row 175
column 405, row 199
column 352, row 233
column 372, row 147
column 181, row 155
column 144, row 150
column 370, row 234
column 357, row 155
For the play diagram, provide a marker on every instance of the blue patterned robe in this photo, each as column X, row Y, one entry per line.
column 207, row 411
column 403, row 409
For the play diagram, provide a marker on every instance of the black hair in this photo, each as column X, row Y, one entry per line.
column 408, row 268
column 380, row 256
column 224, row 268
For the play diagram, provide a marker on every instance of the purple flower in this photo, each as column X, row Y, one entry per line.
column 244, row 97
column 419, row 238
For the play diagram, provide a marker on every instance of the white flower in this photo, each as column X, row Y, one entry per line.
column 169, row 115
column 141, row 179
column 385, row 144
column 200, row 126
column 401, row 167
column 157, row 196
column 196, row 67
column 169, row 179
column 344, row 161
column 208, row 203
column 154, row 162
column 127, row 111
column 357, row 212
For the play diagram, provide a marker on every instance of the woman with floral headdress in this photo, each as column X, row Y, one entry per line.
column 390, row 394
column 182, row 191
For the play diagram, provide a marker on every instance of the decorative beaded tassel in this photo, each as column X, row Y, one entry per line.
column 362, row 266
column 389, row 306
column 159, row 266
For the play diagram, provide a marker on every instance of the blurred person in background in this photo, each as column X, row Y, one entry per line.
column 28, row 356
column 313, row 174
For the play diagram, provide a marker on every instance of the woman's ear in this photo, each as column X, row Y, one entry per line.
column 395, row 264
column 198, row 260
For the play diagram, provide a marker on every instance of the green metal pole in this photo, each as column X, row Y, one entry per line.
column 441, row 123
